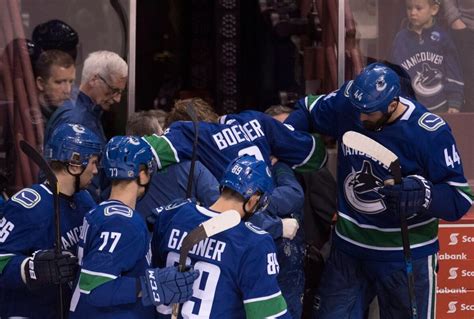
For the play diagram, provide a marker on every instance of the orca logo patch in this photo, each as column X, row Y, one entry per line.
column 361, row 190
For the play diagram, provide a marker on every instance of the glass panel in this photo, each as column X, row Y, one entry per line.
column 30, row 91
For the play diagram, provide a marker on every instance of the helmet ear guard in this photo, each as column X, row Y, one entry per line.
column 374, row 89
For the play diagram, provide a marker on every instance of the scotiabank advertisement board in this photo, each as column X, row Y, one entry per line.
column 455, row 292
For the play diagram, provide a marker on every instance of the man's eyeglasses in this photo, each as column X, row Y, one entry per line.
column 113, row 90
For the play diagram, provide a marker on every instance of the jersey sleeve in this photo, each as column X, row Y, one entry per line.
column 287, row 197
column 113, row 251
column 301, row 150
column 173, row 146
column 258, row 281
column 206, row 186
column 316, row 113
column 452, row 196
column 21, row 229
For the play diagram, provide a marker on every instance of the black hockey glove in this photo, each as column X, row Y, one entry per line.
column 412, row 196
column 46, row 268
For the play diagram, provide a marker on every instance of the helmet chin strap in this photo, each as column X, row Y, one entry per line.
column 146, row 186
column 77, row 177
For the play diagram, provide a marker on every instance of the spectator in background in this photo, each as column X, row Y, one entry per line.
column 319, row 208
column 170, row 183
column 104, row 77
column 425, row 50
column 55, row 74
column 460, row 17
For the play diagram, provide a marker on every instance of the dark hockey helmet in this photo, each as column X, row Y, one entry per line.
column 56, row 35
column 72, row 143
column 246, row 175
column 124, row 155
column 374, row 88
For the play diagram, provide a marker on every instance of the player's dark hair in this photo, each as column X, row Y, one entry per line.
column 229, row 193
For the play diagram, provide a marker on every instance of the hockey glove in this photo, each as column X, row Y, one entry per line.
column 290, row 227
column 46, row 268
column 412, row 196
column 167, row 285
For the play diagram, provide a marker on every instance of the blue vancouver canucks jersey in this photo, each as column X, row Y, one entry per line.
column 238, row 267
column 27, row 226
column 431, row 60
column 249, row 132
column 424, row 145
column 113, row 253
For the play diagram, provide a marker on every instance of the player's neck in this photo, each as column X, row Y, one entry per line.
column 65, row 184
column 221, row 205
column 401, row 108
column 126, row 193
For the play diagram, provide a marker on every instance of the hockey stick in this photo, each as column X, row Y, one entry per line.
column 380, row 153
column 39, row 160
column 192, row 114
column 222, row 222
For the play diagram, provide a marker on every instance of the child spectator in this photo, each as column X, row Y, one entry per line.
column 425, row 50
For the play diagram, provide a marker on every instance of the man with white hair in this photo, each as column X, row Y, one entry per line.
column 104, row 78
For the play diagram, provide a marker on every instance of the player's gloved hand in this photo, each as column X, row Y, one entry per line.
column 167, row 285
column 46, row 268
column 412, row 196
column 290, row 227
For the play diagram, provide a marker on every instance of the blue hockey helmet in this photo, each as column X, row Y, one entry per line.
column 123, row 156
column 72, row 143
column 246, row 175
column 374, row 88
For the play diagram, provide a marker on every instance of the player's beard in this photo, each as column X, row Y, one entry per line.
column 379, row 124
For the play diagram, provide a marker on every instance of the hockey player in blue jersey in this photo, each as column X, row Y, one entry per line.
column 367, row 256
column 249, row 132
column 29, row 269
column 238, row 267
column 114, row 247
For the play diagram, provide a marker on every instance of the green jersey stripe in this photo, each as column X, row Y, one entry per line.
column 466, row 191
column 311, row 100
column 386, row 239
column 262, row 308
column 316, row 158
column 4, row 260
column 89, row 281
column 165, row 152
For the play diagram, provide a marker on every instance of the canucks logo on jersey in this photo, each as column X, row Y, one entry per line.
column 360, row 190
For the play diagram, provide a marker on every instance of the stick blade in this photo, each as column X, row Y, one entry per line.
column 370, row 147
column 221, row 222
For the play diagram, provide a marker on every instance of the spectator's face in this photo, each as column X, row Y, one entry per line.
column 111, row 91
column 89, row 172
column 56, row 89
column 421, row 12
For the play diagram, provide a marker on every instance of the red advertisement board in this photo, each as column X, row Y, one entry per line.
column 455, row 292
